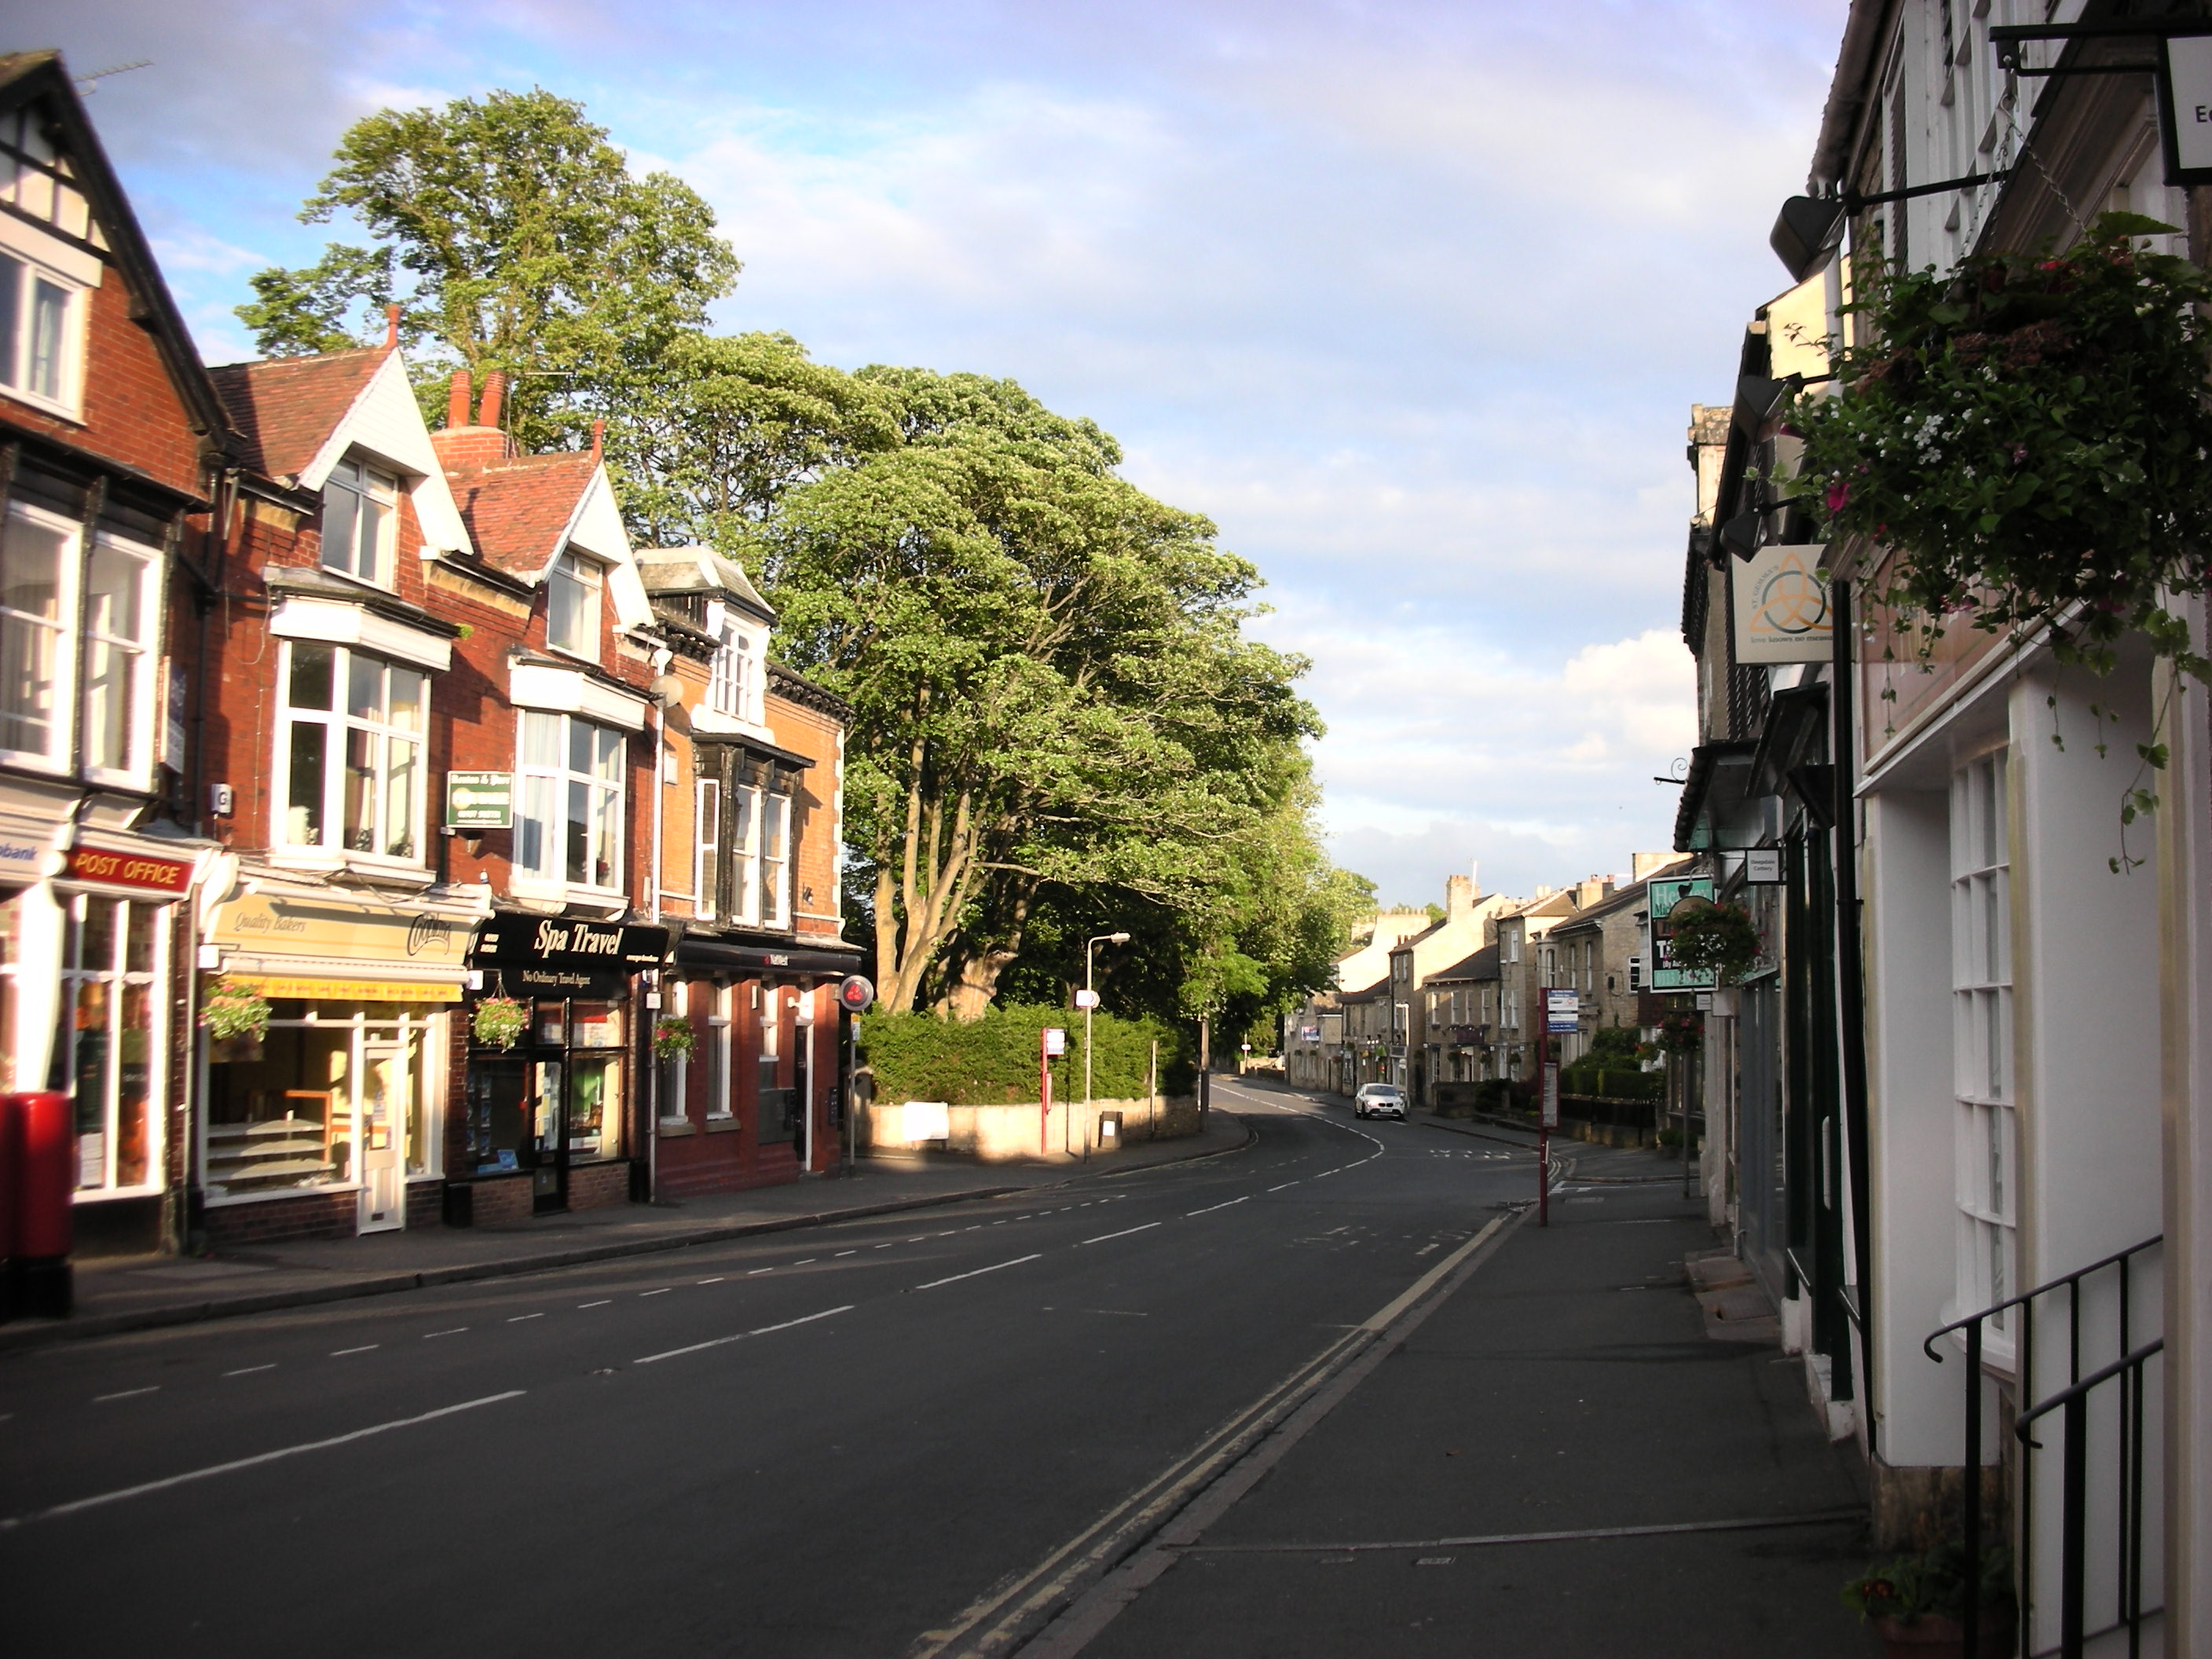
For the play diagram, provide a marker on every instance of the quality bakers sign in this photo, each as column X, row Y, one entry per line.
column 1781, row 606
column 559, row 954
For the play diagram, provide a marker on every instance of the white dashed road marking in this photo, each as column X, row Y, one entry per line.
column 993, row 1268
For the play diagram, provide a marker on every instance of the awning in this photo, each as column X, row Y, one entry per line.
column 1720, row 802
column 693, row 952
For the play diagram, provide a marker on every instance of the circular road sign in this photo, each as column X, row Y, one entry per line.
column 855, row 994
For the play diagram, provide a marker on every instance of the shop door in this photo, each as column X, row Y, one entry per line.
column 382, row 1127
column 545, row 1155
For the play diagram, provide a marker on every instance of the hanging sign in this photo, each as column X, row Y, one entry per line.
column 1663, row 897
column 1781, row 606
column 1762, row 866
column 2185, row 108
column 480, row 800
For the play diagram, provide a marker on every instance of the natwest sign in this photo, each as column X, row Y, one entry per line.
column 154, row 875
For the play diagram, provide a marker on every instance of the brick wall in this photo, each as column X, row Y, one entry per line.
column 595, row 1186
column 311, row 1215
column 499, row 1200
column 425, row 1204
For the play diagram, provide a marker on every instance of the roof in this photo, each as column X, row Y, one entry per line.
column 27, row 75
column 286, row 408
column 697, row 569
column 518, row 510
column 1483, row 964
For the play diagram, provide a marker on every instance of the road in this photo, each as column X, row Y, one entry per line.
column 870, row 1439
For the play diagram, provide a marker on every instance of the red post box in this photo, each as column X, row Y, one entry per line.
column 44, row 1148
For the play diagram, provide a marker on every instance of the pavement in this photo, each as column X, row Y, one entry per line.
column 1329, row 1392
column 125, row 1293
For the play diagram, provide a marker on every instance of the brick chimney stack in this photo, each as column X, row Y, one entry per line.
column 1459, row 897
column 463, row 443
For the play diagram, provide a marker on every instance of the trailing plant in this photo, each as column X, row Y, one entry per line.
column 1932, row 1584
column 674, row 1038
column 2031, row 435
column 1682, row 1032
column 1715, row 938
column 498, row 1021
column 232, row 1010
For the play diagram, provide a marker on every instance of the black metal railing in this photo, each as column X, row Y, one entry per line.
column 2121, row 1263
column 2073, row 1498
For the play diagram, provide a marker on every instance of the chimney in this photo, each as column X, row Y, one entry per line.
column 456, row 401
column 598, row 439
column 463, row 443
column 1591, row 889
column 390, row 327
column 1459, row 897
column 1641, row 865
column 494, row 393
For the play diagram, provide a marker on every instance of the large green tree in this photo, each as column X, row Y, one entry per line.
column 514, row 237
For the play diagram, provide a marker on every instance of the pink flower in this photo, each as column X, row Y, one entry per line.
column 2018, row 453
column 1839, row 493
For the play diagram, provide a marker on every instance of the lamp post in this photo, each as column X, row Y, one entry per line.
column 1091, row 1001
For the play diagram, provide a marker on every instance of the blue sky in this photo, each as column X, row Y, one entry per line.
column 1411, row 299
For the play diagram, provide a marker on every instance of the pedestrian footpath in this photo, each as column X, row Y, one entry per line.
column 1559, row 1459
column 130, row 1293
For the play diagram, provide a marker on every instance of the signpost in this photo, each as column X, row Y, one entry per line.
column 1051, row 1042
column 1562, row 1014
column 855, row 996
column 480, row 800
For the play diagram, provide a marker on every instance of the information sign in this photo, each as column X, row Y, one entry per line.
column 1762, row 866
column 480, row 800
column 1056, row 1040
column 2186, row 112
column 1663, row 897
column 1562, row 1011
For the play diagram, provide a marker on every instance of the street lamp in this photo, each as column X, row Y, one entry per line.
column 1089, row 1001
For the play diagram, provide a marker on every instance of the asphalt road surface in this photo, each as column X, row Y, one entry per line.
column 899, row 1436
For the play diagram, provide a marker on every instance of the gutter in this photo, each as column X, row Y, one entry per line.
column 1864, row 30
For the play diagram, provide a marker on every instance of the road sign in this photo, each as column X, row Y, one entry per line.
column 856, row 994
column 1056, row 1040
column 480, row 800
column 1562, row 1011
column 1086, row 998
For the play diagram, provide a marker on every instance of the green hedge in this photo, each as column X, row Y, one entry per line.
column 994, row 1062
column 1607, row 1083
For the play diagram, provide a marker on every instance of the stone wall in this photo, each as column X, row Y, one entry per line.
column 1002, row 1134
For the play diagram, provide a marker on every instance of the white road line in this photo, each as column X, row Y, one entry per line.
column 1425, row 1249
column 844, row 1253
column 1124, row 1233
column 663, row 1290
column 428, row 1336
column 718, row 1341
column 716, row 1280
column 1285, row 1185
column 141, row 1489
column 993, row 1268
column 757, row 1272
column 1211, row 1208
column 601, row 1302
column 808, row 1262
column 518, row 1318
column 888, row 1243
column 918, row 1238
column 340, row 1353
column 248, row 1371
column 126, row 1394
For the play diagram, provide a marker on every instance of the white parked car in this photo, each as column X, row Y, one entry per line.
column 1379, row 1100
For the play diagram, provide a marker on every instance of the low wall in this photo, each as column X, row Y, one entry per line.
column 1005, row 1134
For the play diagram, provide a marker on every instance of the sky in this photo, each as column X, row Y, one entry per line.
column 1412, row 299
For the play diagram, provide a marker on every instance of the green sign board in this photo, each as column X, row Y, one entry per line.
column 480, row 800
column 1663, row 897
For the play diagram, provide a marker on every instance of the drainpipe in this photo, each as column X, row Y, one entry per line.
column 1851, row 978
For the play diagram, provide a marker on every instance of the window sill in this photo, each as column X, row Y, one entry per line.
column 333, row 1189
column 367, row 584
column 672, row 1129
column 29, row 399
column 562, row 893
column 726, row 1123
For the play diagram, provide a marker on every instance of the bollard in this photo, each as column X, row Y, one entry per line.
column 44, row 1145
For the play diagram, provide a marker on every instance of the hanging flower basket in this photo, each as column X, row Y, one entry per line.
column 1682, row 1032
column 672, row 1038
column 235, row 1013
column 1714, row 938
column 498, row 1021
column 2030, row 436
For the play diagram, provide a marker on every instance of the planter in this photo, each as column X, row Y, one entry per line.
column 1932, row 1636
column 234, row 1050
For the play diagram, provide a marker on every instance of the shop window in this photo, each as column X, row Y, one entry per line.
column 40, row 334
column 569, row 826
column 109, row 952
column 119, row 681
column 594, row 1127
column 350, row 742
column 706, row 828
column 721, row 1053
column 1986, row 1136
column 360, row 516
column 674, row 1070
column 38, row 604
column 329, row 1084
column 572, row 606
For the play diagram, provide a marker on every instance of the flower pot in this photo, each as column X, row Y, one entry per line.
column 1932, row 1636
column 234, row 1050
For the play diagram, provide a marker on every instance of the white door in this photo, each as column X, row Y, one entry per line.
column 383, row 1127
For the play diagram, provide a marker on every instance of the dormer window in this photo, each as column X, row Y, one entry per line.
column 361, row 510
column 733, row 681
column 572, row 606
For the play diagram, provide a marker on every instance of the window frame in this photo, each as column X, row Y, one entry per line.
column 138, row 771
column 1986, row 1158
column 340, row 724
column 364, row 485
column 722, row 1038
column 674, row 1070
column 775, row 869
column 552, row 874
column 16, row 352
column 588, row 577
column 69, row 585
column 121, row 977
column 706, row 852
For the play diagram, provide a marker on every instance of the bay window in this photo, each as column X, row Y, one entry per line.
column 760, row 856
column 349, row 743
column 360, row 519
column 118, row 683
column 567, row 824
column 38, row 599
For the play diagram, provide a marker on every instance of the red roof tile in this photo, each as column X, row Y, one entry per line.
column 516, row 509
column 286, row 408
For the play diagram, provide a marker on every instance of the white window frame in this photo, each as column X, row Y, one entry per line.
column 775, row 864
column 745, row 841
column 559, row 780
column 1985, row 1162
column 119, row 976
column 573, row 572
column 16, row 332
column 365, row 488
column 340, row 725
column 70, row 564
column 721, row 1038
column 674, row 1069
column 137, row 772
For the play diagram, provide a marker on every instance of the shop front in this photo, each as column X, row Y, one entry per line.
column 553, row 1033
column 330, row 1121
column 85, row 995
